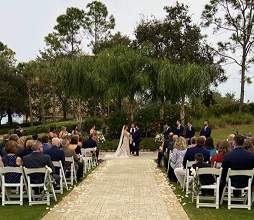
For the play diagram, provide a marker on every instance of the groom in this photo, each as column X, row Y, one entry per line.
column 136, row 138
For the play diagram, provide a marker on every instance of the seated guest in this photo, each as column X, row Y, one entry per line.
column 193, row 142
column 37, row 160
column 75, row 130
column 35, row 137
column 14, row 137
column 206, row 179
column 45, row 143
column 189, row 132
column 55, row 153
column 12, row 160
column 2, row 145
column 190, row 156
column 176, row 158
column 93, row 131
column 63, row 133
column 223, row 148
column 248, row 145
column 27, row 149
column 179, row 130
column 69, row 152
column 52, row 133
column 209, row 145
column 74, row 144
column 237, row 159
column 206, row 130
column 91, row 143
column 230, row 140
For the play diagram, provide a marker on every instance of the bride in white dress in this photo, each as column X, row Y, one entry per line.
column 123, row 149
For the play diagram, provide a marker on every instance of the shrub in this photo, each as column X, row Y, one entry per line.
column 89, row 122
column 115, row 124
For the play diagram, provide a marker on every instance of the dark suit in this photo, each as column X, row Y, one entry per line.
column 237, row 159
column 190, row 132
column 90, row 143
column 56, row 154
column 206, row 132
column 179, row 131
column 190, row 154
column 37, row 160
column 132, row 147
column 136, row 140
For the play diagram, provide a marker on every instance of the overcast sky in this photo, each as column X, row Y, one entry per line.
column 25, row 23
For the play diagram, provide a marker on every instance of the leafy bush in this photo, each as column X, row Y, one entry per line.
column 89, row 122
column 115, row 123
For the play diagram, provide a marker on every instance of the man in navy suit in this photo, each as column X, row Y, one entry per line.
column 206, row 130
column 179, row 130
column 189, row 132
column 237, row 159
column 136, row 140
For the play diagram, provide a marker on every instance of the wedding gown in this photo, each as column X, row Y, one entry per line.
column 123, row 150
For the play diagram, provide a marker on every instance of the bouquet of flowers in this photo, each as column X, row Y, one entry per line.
column 100, row 137
column 159, row 138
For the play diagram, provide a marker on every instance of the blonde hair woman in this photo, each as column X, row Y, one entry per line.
column 176, row 158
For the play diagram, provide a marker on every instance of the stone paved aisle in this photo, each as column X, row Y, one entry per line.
column 121, row 189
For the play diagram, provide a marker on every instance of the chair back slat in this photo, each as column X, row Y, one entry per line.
column 240, row 172
column 35, row 170
column 4, row 170
column 209, row 170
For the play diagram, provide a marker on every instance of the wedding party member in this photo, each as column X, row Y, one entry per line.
column 136, row 139
column 189, row 132
column 209, row 145
column 206, row 130
column 63, row 133
column 123, row 149
column 11, row 160
column 37, row 160
column 132, row 131
column 75, row 130
column 237, row 159
column 179, row 130
column 176, row 158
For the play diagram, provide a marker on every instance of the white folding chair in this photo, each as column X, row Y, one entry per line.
column 63, row 182
column 46, row 185
column 187, row 178
column 73, row 175
column 246, row 191
column 215, row 187
column 89, row 160
column 8, row 194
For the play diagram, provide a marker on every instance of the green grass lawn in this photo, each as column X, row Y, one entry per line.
column 210, row 213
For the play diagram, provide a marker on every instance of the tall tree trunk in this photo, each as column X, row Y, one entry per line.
column 30, row 105
column 162, row 108
column 182, row 111
column 132, row 110
column 9, row 114
column 243, row 72
column 79, row 114
column 42, row 110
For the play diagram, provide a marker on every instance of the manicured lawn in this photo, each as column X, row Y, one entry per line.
column 222, row 133
column 210, row 213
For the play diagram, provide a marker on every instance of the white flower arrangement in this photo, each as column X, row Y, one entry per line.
column 159, row 138
column 100, row 137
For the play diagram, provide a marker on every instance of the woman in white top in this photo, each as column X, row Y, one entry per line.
column 176, row 158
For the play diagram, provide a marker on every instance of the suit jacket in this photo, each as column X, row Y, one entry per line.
column 37, row 160
column 136, row 138
column 237, row 159
column 89, row 143
column 190, row 154
column 179, row 131
column 56, row 154
column 206, row 132
column 189, row 133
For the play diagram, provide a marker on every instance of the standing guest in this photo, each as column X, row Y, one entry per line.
column 206, row 130
column 176, row 158
column 209, row 145
column 248, row 145
column 63, row 133
column 12, row 160
column 132, row 131
column 75, row 130
column 189, row 132
column 179, row 130
column 222, row 148
column 231, row 141
column 37, row 160
column 54, row 152
column 45, row 143
column 136, row 139
column 237, row 159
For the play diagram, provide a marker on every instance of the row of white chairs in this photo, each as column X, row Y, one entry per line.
column 245, row 200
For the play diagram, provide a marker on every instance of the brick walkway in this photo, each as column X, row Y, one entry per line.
column 121, row 189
